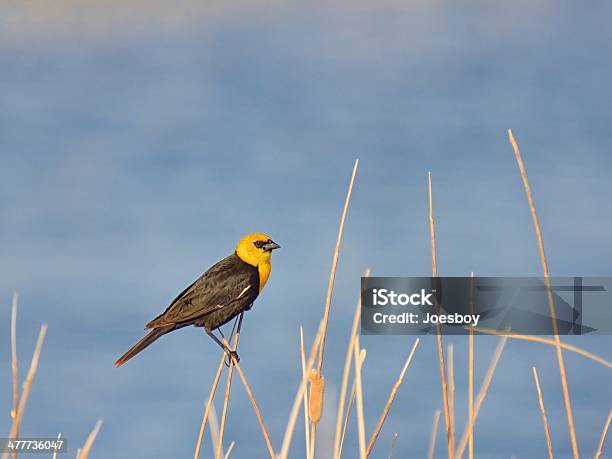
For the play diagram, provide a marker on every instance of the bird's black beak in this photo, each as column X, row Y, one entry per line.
column 270, row 246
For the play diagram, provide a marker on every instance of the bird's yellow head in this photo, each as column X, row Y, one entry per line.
column 256, row 249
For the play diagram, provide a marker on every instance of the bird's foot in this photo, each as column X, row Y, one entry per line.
column 231, row 355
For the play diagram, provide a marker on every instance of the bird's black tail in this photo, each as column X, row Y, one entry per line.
column 140, row 345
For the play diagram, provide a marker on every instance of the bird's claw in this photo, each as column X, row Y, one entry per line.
column 231, row 355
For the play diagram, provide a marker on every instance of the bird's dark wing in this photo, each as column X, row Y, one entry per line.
column 229, row 281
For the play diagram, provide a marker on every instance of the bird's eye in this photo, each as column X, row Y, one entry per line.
column 258, row 244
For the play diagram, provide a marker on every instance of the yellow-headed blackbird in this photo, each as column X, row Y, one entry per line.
column 224, row 291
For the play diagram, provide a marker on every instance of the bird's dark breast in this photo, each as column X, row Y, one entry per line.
column 244, row 274
column 219, row 295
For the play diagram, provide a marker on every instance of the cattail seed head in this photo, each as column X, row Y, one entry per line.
column 317, row 387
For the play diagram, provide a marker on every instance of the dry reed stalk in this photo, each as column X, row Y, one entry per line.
column 345, row 375
column 299, row 396
column 551, row 303
column 349, row 408
column 451, row 391
column 254, row 403
column 211, row 396
column 358, row 356
column 471, row 373
column 306, row 424
column 229, row 450
column 396, row 386
column 543, row 411
column 433, row 435
column 228, row 387
column 55, row 451
column 213, row 427
column 313, row 432
column 602, row 440
column 434, row 273
column 332, row 274
column 14, row 370
column 330, row 289
column 550, row 342
column 482, row 394
column 84, row 451
column 351, row 402
column 393, row 443
column 27, row 385
column 432, row 229
column 256, row 409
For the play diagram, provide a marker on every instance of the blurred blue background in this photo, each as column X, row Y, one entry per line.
column 140, row 140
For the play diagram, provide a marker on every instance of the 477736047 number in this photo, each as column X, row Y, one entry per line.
column 32, row 445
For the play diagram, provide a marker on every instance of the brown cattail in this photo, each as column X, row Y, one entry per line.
column 317, row 386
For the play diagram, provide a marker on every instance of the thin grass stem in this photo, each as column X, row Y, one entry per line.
column 357, row 355
column 451, row 391
column 345, row 375
column 211, row 396
column 549, row 342
column 85, row 450
column 229, row 450
column 471, row 373
column 27, row 385
column 299, row 397
column 434, row 273
column 349, row 408
column 549, row 294
column 330, row 289
column 254, row 403
column 14, row 367
column 482, row 394
column 306, row 424
column 228, row 387
column 332, row 274
column 432, row 437
column 543, row 412
column 602, row 439
column 390, row 400
column 56, row 449
column 392, row 447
